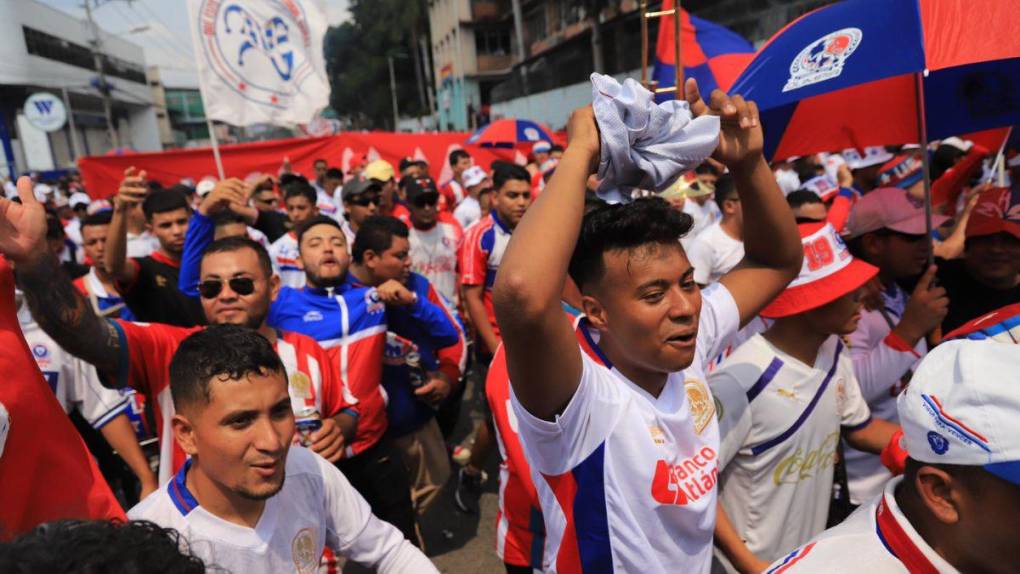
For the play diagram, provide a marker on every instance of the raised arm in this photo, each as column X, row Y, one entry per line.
column 130, row 194
column 56, row 305
column 201, row 231
column 543, row 359
column 772, row 248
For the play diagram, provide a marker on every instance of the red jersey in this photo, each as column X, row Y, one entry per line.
column 480, row 256
column 451, row 194
column 520, row 528
column 146, row 351
column 46, row 471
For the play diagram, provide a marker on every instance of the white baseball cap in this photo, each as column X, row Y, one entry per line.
column 963, row 407
column 873, row 155
column 79, row 198
column 473, row 175
column 205, row 186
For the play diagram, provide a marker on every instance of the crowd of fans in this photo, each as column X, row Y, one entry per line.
column 702, row 378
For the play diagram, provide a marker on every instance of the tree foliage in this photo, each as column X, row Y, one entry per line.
column 356, row 53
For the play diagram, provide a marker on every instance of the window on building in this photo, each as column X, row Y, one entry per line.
column 51, row 47
column 492, row 42
column 534, row 25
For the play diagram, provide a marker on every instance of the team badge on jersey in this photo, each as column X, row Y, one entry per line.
column 657, row 435
column 702, row 405
column 823, row 59
column 301, row 384
column 302, row 551
column 40, row 351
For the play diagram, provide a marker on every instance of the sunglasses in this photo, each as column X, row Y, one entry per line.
column 907, row 237
column 366, row 200
column 425, row 199
column 210, row 288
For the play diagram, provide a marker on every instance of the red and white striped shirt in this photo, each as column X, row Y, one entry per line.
column 147, row 349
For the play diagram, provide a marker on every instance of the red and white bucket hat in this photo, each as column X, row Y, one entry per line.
column 828, row 273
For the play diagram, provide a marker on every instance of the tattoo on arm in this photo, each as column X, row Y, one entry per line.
column 66, row 316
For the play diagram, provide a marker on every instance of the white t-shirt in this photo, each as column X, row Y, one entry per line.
column 881, row 364
column 141, row 245
column 780, row 423
column 713, row 253
column 468, row 211
column 627, row 480
column 74, row 382
column 285, row 255
column 703, row 215
column 861, row 543
column 316, row 507
column 434, row 255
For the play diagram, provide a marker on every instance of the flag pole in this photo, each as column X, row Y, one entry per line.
column 678, row 51
column 922, row 135
column 215, row 145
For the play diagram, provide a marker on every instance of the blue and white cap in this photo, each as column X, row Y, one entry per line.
column 963, row 407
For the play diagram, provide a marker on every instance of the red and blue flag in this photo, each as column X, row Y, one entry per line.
column 713, row 55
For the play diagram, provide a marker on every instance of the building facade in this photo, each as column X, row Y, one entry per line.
column 47, row 50
column 479, row 67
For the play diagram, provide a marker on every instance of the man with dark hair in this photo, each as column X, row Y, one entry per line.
column 241, row 458
column 98, row 285
column 324, row 184
column 483, row 248
column 957, row 506
column 480, row 257
column 73, row 546
column 236, row 286
column 434, row 236
column 229, row 223
column 988, row 275
column 807, row 206
column 452, row 191
column 351, row 322
column 361, row 199
column 149, row 284
column 382, row 255
column 271, row 220
column 627, row 444
column 720, row 247
column 299, row 200
column 888, row 230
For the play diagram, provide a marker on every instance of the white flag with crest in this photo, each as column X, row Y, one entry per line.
column 260, row 61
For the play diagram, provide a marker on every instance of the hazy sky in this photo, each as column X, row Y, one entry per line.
column 167, row 42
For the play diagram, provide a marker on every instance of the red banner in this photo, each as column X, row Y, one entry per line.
column 102, row 174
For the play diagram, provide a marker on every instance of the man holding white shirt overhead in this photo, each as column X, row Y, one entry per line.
column 609, row 440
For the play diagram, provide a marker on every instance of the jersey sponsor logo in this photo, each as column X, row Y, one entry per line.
column 802, row 465
column 161, row 281
column 658, row 437
column 40, row 351
column 312, row 316
column 302, row 551
column 701, row 403
column 823, row 59
column 938, row 443
column 686, row 482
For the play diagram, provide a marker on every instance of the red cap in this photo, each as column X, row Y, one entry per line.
column 828, row 273
column 997, row 211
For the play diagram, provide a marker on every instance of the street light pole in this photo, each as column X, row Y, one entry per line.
column 104, row 89
column 393, row 93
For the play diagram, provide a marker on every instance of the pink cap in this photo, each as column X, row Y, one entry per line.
column 889, row 208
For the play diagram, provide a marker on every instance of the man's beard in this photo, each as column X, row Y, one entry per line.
column 263, row 495
column 325, row 282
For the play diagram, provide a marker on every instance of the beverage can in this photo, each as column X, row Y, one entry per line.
column 306, row 422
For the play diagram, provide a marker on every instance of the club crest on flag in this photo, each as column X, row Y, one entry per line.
column 823, row 59
column 260, row 61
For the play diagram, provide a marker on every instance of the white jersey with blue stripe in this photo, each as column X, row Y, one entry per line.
column 780, row 423
column 74, row 382
column 316, row 507
column 627, row 480
column 285, row 255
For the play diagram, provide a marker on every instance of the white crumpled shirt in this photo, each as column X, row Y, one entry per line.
column 646, row 145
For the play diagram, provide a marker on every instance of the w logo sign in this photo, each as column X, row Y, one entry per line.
column 45, row 111
column 44, row 107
